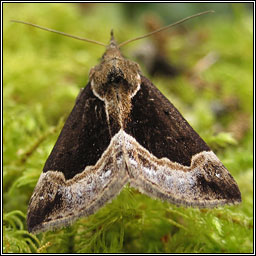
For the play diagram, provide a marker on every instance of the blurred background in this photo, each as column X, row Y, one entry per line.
column 203, row 66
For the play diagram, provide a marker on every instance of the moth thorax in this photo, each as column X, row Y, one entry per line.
column 115, row 76
column 119, row 75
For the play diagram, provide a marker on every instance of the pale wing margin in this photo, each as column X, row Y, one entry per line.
column 205, row 183
column 84, row 194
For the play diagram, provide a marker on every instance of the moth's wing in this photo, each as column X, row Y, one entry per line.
column 80, row 174
column 169, row 160
column 83, row 139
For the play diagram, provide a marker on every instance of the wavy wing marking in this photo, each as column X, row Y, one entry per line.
column 57, row 202
column 205, row 183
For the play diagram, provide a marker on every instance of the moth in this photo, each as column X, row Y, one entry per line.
column 122, row 130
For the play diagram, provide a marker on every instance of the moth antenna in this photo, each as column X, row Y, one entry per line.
column 164, row 28
column 60, row 33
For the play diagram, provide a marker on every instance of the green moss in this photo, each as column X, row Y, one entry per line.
column 42, row 76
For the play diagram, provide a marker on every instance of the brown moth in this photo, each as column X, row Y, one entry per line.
column 122, row 130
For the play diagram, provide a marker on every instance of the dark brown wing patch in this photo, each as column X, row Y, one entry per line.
column 83, row 139
column 159, row 127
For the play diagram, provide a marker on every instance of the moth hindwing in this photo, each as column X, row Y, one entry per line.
column 123, row 130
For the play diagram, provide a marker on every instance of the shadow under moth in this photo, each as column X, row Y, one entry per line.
column 122, row 130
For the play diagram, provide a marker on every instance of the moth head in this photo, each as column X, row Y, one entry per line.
column 112, row 50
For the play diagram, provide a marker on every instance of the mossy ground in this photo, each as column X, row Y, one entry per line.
column 43, row 73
